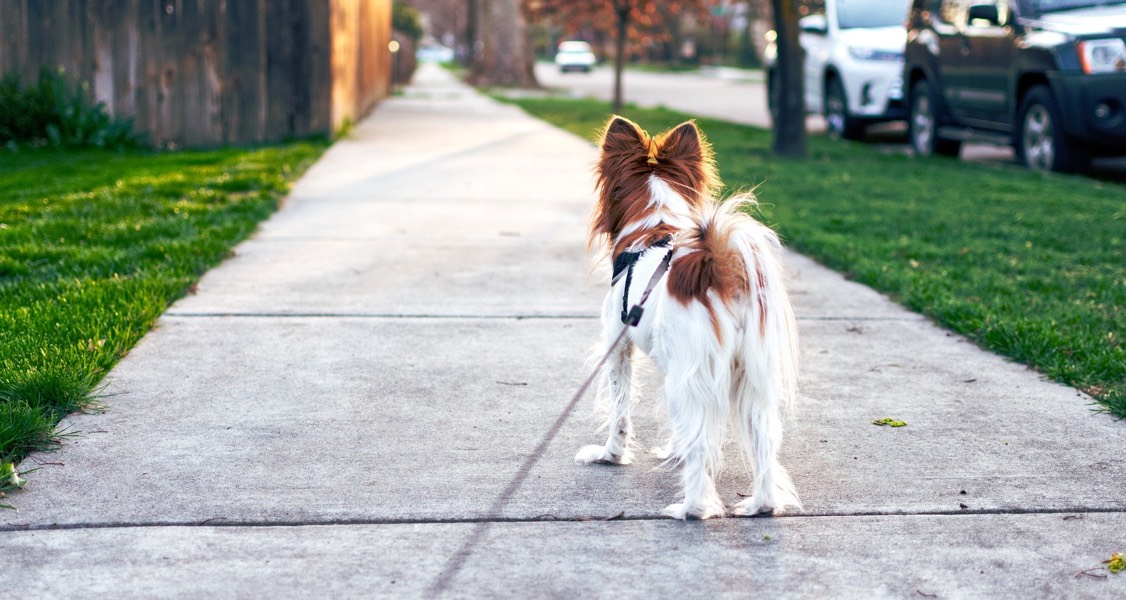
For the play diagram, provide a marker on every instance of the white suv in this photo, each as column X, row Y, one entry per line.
column 853, row 64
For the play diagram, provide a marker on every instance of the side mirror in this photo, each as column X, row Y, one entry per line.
column 815, row 24
column 983, row 15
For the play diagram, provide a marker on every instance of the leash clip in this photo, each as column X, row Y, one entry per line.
column 634, row 316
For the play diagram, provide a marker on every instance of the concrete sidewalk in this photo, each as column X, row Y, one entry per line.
column 366, row 401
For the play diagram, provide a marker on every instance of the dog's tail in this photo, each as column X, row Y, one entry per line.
column 741, row 260
column 732, row 263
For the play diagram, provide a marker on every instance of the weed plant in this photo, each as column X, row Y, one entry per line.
column 1030, row 265
column 51, row 113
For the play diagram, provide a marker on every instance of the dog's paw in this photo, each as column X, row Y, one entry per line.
column 764, row 507
column 775, row 495
column 686, row 511
column 599, row 454
column 662, row 452
column 751, row 507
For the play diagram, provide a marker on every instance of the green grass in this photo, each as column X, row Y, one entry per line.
column 94, row 246
column 1030, row 265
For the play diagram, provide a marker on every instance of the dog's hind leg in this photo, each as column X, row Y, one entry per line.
column 617, row 376
column 697, row 418
column 761, row 435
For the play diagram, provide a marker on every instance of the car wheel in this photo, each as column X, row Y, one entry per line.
column 1039, row 144
column 837, row 120
column 922, row 124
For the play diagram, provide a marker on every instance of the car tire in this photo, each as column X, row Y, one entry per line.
column 1039, row 143
column 838, row 123
column 922, row 124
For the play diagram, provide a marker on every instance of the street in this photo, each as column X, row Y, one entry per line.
column 731, row 94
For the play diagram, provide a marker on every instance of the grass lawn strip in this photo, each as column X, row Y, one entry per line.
column 1030, row 265
column 95, row 245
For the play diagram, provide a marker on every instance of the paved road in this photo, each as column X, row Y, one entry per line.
column 370, row 400
column 740, row 96
column 733, row 94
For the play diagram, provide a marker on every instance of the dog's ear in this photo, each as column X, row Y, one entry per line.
column 623, row 135
column 683, row 142
column 687, row 160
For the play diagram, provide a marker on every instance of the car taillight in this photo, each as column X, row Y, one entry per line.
column 1102, row 56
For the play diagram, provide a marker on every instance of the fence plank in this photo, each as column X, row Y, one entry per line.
column 209, row 72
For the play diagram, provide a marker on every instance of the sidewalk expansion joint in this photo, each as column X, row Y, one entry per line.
column 220, row 522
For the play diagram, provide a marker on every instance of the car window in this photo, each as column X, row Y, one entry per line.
column 811, row 7
column 574, row 47
column 955, row 12
column 871, row 13
column 952, row 11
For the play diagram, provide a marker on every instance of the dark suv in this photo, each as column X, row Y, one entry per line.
column 1046, row 76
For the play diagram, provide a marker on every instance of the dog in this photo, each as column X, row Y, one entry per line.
column 718, row 323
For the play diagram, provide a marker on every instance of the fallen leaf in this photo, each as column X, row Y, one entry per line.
column 1116, row 563
column 889, row 421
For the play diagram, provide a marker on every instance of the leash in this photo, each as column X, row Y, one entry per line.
column 458, row 560
column 630, row 319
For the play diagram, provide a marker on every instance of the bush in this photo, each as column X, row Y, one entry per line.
column 49, row 113
column 24, row 113
column 405, row 20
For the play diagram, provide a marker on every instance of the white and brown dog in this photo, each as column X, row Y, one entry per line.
column 718, row 324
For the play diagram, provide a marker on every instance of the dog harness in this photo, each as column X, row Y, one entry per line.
column 623, row 265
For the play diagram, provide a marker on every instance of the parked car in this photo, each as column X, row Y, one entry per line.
column 1045, row 76
column 575, row 56
column 853, row 64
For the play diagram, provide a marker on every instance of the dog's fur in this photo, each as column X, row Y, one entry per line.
column 718, row 324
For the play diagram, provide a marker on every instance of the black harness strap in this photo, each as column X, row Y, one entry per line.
column 632, row 316
column 623, row 262
column 626, row 260
column 625, row 291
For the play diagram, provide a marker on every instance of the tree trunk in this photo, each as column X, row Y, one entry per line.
column 504, row 58
column 622, row 10
column 471, row 12
column 789, row 122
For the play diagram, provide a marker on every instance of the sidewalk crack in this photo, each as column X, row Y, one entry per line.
column 484, row 522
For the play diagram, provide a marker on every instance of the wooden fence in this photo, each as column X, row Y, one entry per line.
column 209, row 72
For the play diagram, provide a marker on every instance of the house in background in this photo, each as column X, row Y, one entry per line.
column 208, row 72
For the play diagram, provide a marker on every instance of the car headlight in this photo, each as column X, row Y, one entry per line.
column 1102, row 56
column 865, row 53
